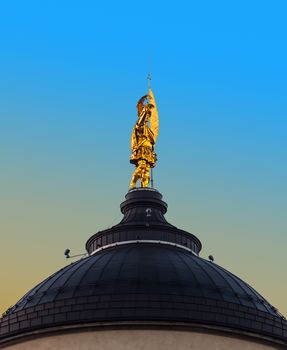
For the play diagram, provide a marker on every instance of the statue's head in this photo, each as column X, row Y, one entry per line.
column 143, row 103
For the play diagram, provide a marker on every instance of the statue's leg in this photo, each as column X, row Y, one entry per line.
column 142, row 172
column 145, row 176
column 136, row 176
column 134, row 180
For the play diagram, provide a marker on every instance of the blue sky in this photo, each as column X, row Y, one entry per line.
column 70, row 75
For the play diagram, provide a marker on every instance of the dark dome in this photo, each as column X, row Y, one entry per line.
column 144, row 269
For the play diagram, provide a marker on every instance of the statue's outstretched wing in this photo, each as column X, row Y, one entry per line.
column 154, row 122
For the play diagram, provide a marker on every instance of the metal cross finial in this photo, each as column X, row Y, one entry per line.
column 148, row 80
column 148, row 69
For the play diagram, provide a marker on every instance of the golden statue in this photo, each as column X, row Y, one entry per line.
column 143, row 140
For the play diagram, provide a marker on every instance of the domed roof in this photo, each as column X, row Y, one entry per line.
column 144, row 269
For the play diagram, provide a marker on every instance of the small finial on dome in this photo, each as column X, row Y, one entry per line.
column 211, row 258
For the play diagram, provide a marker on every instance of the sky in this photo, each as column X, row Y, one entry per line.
column 71, row 73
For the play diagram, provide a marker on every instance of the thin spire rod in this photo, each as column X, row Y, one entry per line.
column 148, row 70
column 148, row 80
column 148, row 85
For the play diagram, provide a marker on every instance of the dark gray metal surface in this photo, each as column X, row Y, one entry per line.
column 144, row 282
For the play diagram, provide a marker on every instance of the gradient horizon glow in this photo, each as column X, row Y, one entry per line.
column 71, row 75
